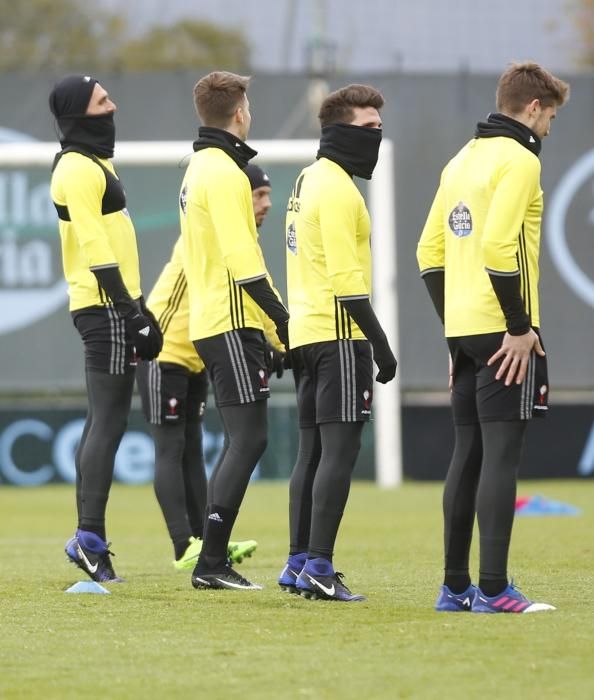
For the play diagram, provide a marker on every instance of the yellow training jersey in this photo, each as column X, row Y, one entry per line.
column 170, row 303
column 91, row 239
column 485, row 218
column 220, row 242
column 328, row 254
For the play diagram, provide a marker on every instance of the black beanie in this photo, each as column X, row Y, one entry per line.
column 71, row 96
column 256, row 176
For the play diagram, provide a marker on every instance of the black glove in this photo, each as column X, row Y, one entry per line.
column 282, row 330
column 145, row 336
column 288, row 360
column 386, row 363
column 274, row 361
column 147, row 312
column 365, row 318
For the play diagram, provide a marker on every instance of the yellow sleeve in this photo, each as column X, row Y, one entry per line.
column 84, row 184
column 230, row 217
column 431, row 247
column 269, row 325
column 339, row 214
column 513, row 192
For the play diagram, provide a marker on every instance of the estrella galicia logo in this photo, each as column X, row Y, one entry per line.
column 460, row 220
column 183, row 199
column 292, row 238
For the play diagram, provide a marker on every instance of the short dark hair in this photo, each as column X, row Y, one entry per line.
column 523, row 82
column 339, row 106
column 218, row 95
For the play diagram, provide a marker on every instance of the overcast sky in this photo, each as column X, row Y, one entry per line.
column 382, row 35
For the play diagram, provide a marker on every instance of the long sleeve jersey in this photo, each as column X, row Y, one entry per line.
column 170, row 303
column 328, row 254
column 485, row 219
column 95, row 228
column 221, row 249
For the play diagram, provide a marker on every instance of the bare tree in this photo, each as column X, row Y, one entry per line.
column 582, row 15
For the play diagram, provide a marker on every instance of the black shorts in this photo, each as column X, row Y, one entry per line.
column 170, row 393
column 236, row 365
column 103, row 333
column 334, row 382
column 477, row 397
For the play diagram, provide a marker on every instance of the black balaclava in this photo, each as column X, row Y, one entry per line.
column 68, row 102
column 498, row 124
column 354, row 148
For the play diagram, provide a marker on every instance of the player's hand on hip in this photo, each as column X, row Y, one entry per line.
column 515, row 351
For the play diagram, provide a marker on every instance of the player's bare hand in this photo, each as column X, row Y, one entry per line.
column 451, row 374
column 515, row 351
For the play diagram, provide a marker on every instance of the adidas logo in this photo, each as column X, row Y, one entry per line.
column 145, row 331
column 216, row 517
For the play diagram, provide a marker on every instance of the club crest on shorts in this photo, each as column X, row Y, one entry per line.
column 367, row 399
column 263, row 377
column 460, row 220
column 172, row 413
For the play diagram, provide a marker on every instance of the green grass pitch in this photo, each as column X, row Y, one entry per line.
column 156, row 637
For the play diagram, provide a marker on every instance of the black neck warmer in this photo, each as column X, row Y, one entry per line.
column 500, row 125
column 211, row 137
column 94, row 133
column 354, row 148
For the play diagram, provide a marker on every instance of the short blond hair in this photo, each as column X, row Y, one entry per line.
column 217, row 96
column 523, row 82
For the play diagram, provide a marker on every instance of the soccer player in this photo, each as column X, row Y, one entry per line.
column 228, row 288
column 100, row 261
column 332, row 331
column 173, row 389
column 478, row 255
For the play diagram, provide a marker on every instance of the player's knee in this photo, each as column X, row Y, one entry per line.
column 252, row 442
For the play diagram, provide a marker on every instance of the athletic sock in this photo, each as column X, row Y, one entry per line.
column 492, row 587
column 217, row 531
column 457, row 583
column 179, row 547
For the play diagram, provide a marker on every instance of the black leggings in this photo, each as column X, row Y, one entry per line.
column 180, row 479
column 320, row 485
column 109, row 397
column 246, row 429
column 482, row 478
